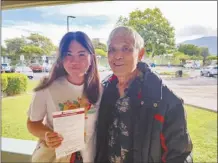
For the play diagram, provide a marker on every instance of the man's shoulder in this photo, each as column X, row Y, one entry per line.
column 105, row 82
column 170, row 97
column 160, row 90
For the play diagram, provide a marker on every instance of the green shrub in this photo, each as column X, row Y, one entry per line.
column 17, row 83
column 4, row 82
column 211, row 57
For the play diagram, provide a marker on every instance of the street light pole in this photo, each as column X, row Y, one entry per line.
column 68, row 21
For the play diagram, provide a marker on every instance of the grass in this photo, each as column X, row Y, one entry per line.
column 172, row 74
column 31, row 85
column 202, row 126
column 14, row 114
column 14, row 117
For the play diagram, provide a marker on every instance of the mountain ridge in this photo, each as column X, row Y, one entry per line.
column 208, row 41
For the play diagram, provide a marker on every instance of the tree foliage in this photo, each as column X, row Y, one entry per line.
column 14, row 45
column 154, row 28
column 189, row 49
column 99, row 45
column 3, row 51
column 30, row 46
column 100, row 52
column 181, row 56
column 42, row 42
column 204, row 52
column 30, row 51
column 212, row 57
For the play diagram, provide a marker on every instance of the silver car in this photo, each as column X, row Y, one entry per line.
column 209, row 71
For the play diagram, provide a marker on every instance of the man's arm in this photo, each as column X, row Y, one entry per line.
column 175, row 141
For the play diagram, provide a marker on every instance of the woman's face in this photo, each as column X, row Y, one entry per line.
column 77, row 60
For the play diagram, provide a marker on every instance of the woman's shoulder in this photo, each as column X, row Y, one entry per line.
column 60, row 81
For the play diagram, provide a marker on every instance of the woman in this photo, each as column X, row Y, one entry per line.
column 73, row 83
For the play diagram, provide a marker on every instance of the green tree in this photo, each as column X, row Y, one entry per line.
column 30, row 51
column 194, row 57
column 189, row 49
column 42, row 42
column 32, row 46
column 13, row 46
column 181, row 56
column 99, row 45
column 100, row 52
column 204, row 52
column 3, row 51
column 212, row 57
column 155, row 29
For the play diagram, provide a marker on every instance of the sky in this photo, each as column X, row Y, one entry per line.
column 191, row 19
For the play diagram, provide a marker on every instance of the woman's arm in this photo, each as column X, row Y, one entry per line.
column 37, row 129
column 36, row 114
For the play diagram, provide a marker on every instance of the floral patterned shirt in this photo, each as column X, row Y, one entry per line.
column 120, row 131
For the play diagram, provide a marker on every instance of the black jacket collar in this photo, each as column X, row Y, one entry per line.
column 152, row 84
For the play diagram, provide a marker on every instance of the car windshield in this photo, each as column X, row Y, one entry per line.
column 4, row 65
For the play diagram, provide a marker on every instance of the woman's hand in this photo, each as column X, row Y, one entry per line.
column 53, row 139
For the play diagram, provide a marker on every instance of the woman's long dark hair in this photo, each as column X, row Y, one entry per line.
column 91, row 81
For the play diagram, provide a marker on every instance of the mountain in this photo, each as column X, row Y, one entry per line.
column 210, row 42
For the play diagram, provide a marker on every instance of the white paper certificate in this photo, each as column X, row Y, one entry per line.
column 70, row 124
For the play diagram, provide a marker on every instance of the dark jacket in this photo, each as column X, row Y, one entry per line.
column 160, row 130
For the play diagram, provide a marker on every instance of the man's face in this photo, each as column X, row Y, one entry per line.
column 122, row 55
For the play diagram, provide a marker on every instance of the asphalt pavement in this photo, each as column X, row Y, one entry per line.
column 196, row 90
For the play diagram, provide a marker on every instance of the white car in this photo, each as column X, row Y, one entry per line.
column 25, row 70
column 209, row 71
column 6, row 67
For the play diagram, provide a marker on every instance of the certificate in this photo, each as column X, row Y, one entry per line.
column 70, row 124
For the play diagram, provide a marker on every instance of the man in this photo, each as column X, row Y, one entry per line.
column 140, row 120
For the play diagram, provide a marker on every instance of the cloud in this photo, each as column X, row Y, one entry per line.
column 176, row 12
column 53, row 31
column 197, row 30
column 91, row 9
column 181, row 15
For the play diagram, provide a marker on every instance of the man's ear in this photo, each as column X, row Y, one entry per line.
column 141, row 54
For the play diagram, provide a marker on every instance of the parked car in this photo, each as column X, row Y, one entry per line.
column 188, row 65
column 36, row 67
column 193, row 64
column 209, row 71
column 5, row 67
column 25, row 70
